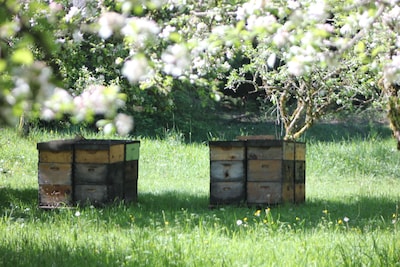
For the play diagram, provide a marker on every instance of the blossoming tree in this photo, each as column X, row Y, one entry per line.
column 311, row 56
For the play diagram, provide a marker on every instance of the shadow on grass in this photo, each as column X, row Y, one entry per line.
column 26, row 197
column 57, row 254
column 330, row 132
column 363, row 211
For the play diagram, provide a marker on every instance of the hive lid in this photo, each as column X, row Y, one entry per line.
column 89, row 144
column 255, row 137
column 97, row 144
column 56, row 145
column 227, row 143
column 265, row 143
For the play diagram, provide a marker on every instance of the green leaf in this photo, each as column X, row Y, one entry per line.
column 3, row 65
column 23, row 56
column 360, row 47
column 377, row 51
column 175, row 37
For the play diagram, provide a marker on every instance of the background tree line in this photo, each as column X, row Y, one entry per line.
column 104, row 62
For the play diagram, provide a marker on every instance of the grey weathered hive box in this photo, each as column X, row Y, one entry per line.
column 264, row 171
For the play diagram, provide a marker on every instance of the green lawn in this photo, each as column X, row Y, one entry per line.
column 350, row 217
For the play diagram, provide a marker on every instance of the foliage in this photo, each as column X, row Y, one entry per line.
column 87, row 58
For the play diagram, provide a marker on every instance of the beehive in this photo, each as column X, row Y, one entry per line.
column 227, row 172
column 98, row 170
column 269, row 171
column 87, row 171
column 55, row 173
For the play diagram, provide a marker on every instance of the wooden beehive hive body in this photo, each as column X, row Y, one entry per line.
column 300, row 173
column 269, row 172
column 98, row 170
column 87, row 171
column 55, row 173
column 227, row 172
column 131, row 172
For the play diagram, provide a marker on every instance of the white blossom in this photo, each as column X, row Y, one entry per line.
column 79, row 3
column 317, row 11
column 77, row 36
column 109, row 23
column 347, row 30
column 199, row 64
column 74, row 11
column 281, row 37
column 260, row 22
column 365, row 19
column 60, row 102
column 166, row 32
column 123, row 123
column 392, row 18
column 97, row 99
column 137, row 69
column 271, row 60
column 108, row 128
column 21, row 89
column 296, row 66
column 55, row 7
column 48, row 114
column 391, row 70
column 176, row 60
column 140, row 30
column 293, row 4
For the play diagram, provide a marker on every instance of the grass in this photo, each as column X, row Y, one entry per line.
column 350, row 217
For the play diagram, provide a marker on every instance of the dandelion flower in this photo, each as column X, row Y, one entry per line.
column 257, row 213
column 340, row 221
column 239, row 222
column 325, row 211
